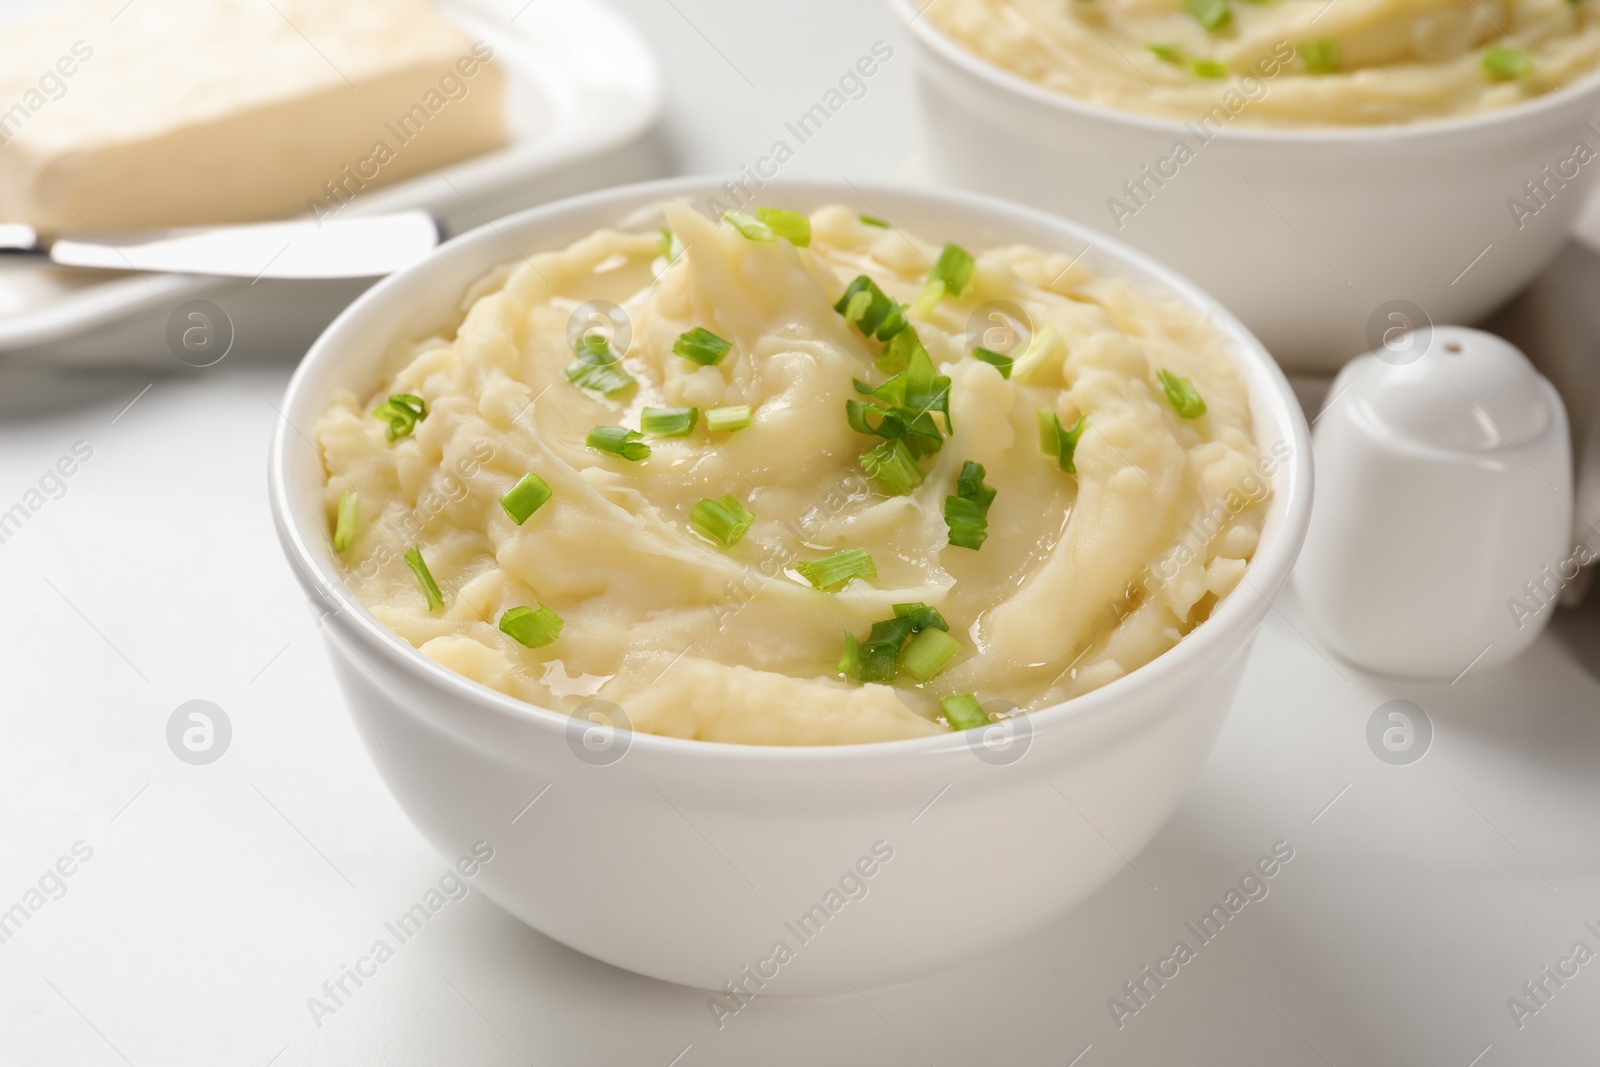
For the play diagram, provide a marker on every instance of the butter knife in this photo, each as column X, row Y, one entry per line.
column 363, row 247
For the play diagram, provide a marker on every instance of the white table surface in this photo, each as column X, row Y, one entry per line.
column 219, row 898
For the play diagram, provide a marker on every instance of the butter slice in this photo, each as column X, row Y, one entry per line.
column 117, row 115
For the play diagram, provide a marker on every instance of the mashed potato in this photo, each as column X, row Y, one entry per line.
column 1292, row 62
column 1079, row 576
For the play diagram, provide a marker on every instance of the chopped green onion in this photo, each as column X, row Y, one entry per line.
column 723, row 520
column 949, row 277
column 918, row 430
column 830, row 572
column 526, row 497
column 969, row 484
column 1321, row 57
column 790, row 225
column 1208, row 68
column 873, row 220
column 912, row 394
column 669, row 422
column 967, row 513
column 402, row 412
column 618, row 441
column 1041, row 346
column 893, row 467
column 749, row 227
column 1505, row 61
column 865, row 307
column 869, row 661
column 1167, row 53
column 534, row 627
column 1214, row 15
column 344, row 530
column 1049, row 431
column 874, row 659
column 1181, row 393
column 669, row 247
column 1000, row 363
column 964, row 712
column 597, row 367
column 849, row 664
column 920, row 617
column 735, row 417
column 701, row 346
column 968, row 522
column 430, row 588
column 1058, row 442
column 897, row 354
column 928, row 653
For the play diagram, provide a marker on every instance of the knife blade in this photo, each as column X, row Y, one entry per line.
column 343, row 248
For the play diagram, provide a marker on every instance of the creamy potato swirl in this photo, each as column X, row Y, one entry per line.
column 1296, row 62
column 1082, row 577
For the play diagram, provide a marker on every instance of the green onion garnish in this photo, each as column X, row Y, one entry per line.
column 964, row 711
column 735, row 417
column 749, row 227
column 967, row 513
column 1058, row 442
column 893, row 467
column 928, row 653
column 1214, row 15
column 723, row 520
column 995, row 360
column 1040, row 347
column 669, row 422
column 874, row 659
column 920, row 617
column 865, row 307
column 873, row 220
column 909, row 397
column 618, row 441
column 1168, row 53
column 669, row 245
column 344, row 530
column 1208, row 68
column 526, row 497
column 968, row 522
column 830, row 572
column 402, row 412
column 790, row 225
column 954, row 268
column 430, row 588
column 701, row 346
column 1505, row 61
column 534, row 627
column 1181, row 392
column 597, row 367
column 849, row 664
column 1321, row 57
column 949, row 277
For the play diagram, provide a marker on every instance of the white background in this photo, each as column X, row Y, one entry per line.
column 219, row 898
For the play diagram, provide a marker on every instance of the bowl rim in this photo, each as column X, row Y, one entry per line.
column 1456, row 125
column 1266, row 574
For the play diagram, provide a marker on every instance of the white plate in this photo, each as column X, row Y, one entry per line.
column 582, row 83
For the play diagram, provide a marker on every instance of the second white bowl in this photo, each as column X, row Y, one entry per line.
column 1317, row 239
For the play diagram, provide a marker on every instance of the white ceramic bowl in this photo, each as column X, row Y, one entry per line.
column 684, row 860
column 1312, row 237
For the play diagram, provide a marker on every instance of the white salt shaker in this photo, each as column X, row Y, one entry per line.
column 1440, row 531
